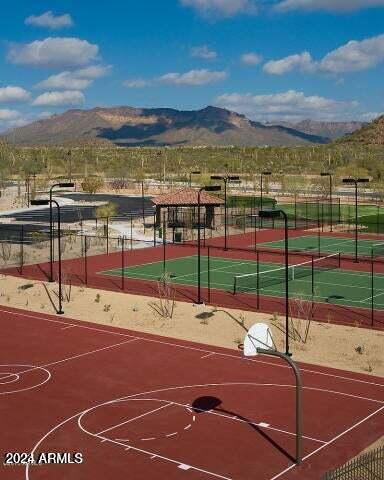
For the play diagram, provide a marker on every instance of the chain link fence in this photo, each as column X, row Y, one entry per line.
column 369, row 466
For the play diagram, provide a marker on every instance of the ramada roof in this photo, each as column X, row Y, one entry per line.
column 186, row 197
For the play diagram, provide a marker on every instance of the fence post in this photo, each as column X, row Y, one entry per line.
column 378, row 219
column 372, row 289
column 122, row 263
column 85, row 260
column 209, row 274
column 312, row 286
column 21, row 249
column 131, row 232
column 107, row 235
column 154, row 229
column 258, row 281
column 318, row 230
column 164, row 245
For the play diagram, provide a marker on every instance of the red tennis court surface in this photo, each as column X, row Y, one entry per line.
column 139, row 406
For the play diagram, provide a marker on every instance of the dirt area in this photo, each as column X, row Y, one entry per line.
column 326, row 344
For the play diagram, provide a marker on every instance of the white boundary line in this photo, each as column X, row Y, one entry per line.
column 81, row 414
column 210, row 412
column 76, row 356
column 135, row 418
column 197, row 349
column 331, row 441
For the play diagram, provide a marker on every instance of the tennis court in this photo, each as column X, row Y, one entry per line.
column 322, row 280
column 331, row 244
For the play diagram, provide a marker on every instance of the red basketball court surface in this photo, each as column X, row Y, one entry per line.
column 144, row 407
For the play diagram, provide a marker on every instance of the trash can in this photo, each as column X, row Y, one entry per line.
column 178, row 237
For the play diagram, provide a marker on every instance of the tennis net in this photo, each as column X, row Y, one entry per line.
column 254, row 282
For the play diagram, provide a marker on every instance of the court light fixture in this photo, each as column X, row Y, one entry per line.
column 65, row 184
column 39, row 202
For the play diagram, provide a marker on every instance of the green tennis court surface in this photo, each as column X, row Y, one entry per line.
column 331, row 285
column 327, row 244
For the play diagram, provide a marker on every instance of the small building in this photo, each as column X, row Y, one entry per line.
column 181, row 208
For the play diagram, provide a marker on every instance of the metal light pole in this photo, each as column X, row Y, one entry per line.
column 274, row 214
column 142, row 203
column 208, row 188
column 226, row 179
column 51, row 252
column 196, row 172
column 69, row 153
column 355, row 182
column 261, row 189
column 47, row 202
column 328, row 174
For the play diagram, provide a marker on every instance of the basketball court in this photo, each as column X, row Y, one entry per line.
column 151, row 407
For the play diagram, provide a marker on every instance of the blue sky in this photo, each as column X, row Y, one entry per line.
column 269, row 59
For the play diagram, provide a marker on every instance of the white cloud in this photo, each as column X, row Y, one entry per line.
column 329, row 5
column 93, row 71
column 49, row 20
column 193, row 77
column 290, row 105
column 65, row 81
column 10, row 119
column 225, row 8
column 16, row 123
column 12, row 94
column 251, row 58
column 136, row 83
column 54, row 52
column 302, row 61
column 59, row 99
column 6, row 114
column 203, row 52
column 354, row 56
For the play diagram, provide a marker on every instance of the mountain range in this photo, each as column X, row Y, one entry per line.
column 328, row 130
column 156, row 127
column 370, row 134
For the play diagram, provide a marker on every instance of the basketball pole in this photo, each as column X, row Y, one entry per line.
column 299, row 407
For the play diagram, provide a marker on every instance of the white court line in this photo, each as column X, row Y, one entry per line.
column 208, row 355
column 90, row 352
column 233, row 263
column 188, row 407
column 135, row 418
column 370, row 298
column 196, row 349
column 170, row 460
column 69, row 326
column 78, row 356
column 345, row 431
column 327, row 245
column 330, row 442
column 152, row 455
column 262, row 425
